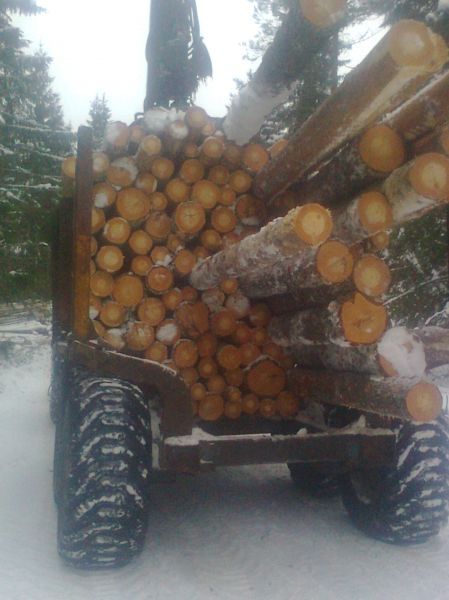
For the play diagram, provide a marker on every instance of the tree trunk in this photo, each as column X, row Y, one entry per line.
column 398, row 397
column 296, row 41
column 390, row 74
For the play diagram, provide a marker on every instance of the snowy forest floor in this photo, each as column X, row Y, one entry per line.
column 242, row 533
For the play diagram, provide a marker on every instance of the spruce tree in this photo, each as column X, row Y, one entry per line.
column 99, row 116
column 33, row 142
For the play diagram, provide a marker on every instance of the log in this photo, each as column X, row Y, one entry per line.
column 122, row 172
column 358, row 320
column 229, row 357
column 103, row 195
column 141, row 265
column 191, row 171
column 299, row 232
column 265, row 378
column 223, row 219
column 219, row 174
column 116, row 137
column 296, row 40
column 185, row 354
column 309, row 284
column 346, row 172
column 112, row 314
column 216, row 384
column 211, row 407
column 371, row 276
column 158, row 226
column 151, row 311
column 168, row 332
column 159, row 280
column 177, row 190
column 193, row 318
column 140, row 242
column 400, row 353
column 156, row 352
column 408, row 193
column 139, row 336
column 146, row 182
column 403, row 398
column 117, row 231
column 207, row 344
column 132, row 204
column 393, row 71
column 190, row 217
column 149, row 148
column 162, row 168
column 160, row 255
column 172, row 299
column 206, row 193
column 184, row 262
column 98, row 219
column 101, row 284
column 109, row 259
column 128, row 290
column 100, row 165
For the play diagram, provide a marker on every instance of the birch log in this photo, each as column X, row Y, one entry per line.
column 392, row 72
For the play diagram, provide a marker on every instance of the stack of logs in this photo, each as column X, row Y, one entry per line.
column 169, row 192
column 373, row 157
column 188, row 268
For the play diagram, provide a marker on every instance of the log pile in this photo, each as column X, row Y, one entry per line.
column 372, row 167
column 189, row 271
column 169, row 192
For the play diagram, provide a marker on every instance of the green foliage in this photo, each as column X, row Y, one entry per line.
column 99, row 116
column 33, row 141
column 417, row 257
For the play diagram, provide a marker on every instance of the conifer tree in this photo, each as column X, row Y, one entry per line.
column 33, row 141
column 99, row 116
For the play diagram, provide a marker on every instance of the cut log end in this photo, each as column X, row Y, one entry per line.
column 110, row 259
column 382, row 149
column 363, row 321
column 429, row 176
column 413, row 44
column 117, row 230
column 255, row 157
column 375, row 212
column 334, row 261
column 132, row 204
column 128, row 290
column 151, row 311
column 211, row 408
column 313, row 224
column 424, row 402
column 371, row 276
column 323, row 13
column 190, row 217
column 159, row 280
column 266, row 378
column 140, row 336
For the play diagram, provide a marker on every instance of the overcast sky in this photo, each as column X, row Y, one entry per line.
column 98, row 46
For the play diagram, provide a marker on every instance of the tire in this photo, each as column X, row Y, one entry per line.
column 102, row 470
column 407, row 504
column 314, row 482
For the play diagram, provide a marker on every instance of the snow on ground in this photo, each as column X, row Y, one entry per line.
column 243, row 534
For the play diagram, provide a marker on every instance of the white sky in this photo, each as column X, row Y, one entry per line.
column 98, row 46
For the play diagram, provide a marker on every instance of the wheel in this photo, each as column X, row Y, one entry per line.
column 102, row 469
column 409, row 503
column 313, row 481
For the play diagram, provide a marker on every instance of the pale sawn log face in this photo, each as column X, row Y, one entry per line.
column 376, row 86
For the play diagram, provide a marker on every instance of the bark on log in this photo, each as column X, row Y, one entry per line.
column 357, row 320
column 390, row 74
column 346, row 173
column 295, row 42
column 398, row 397
column 299, row 232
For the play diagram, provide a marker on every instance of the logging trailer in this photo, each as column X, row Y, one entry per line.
column 123, row 420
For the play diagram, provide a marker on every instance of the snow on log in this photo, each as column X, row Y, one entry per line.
column 400, row 397
column 380, row 149
column 402, row 61
column 299, row 232
column 300, row 36
column 322, row 277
